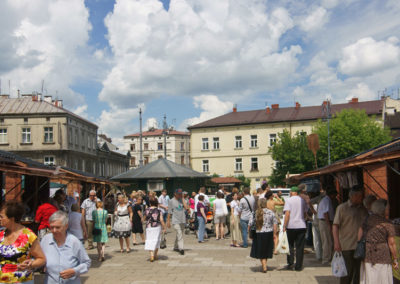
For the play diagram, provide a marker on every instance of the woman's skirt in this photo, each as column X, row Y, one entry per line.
column 262, row 246
column 137, row 227
column 236, row 233
column 153, row 238
column 122, row 227
column 376, row 273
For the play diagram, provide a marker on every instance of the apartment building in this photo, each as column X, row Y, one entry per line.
column 238, row 143
column 39, row 128
column 178, row 146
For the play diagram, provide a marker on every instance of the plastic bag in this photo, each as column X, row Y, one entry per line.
column 338, row 265
column 283, row 244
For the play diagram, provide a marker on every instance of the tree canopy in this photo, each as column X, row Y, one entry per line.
column 291, row 154
column 351, row 132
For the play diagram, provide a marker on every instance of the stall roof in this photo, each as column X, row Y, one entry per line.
column 160, row 169
column 225, row 180
column 384, row 152
column 15, row 159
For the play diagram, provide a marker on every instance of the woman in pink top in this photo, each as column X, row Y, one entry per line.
column 191, row 203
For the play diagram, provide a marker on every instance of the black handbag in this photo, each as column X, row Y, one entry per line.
column 96, row 232
column 359, row 253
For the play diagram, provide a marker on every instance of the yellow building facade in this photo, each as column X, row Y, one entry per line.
column 238, row 143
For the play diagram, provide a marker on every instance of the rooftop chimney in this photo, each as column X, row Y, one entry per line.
column 275, row 106
column 297, row 105
column 48, row 99
column 354, row 101
column 58, row 103
column 268, row 110
column 234, row 108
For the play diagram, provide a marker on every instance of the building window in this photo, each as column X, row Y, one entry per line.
column 159, row 146
column 272, row 139
column 3, row 136
column 26, row 119
column 133, row 147
column 47, row 118
column 49, row 160
column 182, row 160
column 254, row 164
column 182, row 146
column 48, row 134
column 146, row 160
column 133, row 161
column 216, row 143
column 1, row 120
column 238, row 141
column 26, row 135
column 205, row 143
column 83, row 138
column 206, row 168
column 70, row 138
column 146, row 146
column 76, row 137
column 89, row 142
column 253, row 141
column 238, row 164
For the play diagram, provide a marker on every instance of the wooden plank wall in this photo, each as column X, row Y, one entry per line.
column 379, row 173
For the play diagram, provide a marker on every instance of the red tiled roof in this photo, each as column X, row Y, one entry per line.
column 287, row 114
column 158, row 132
column 223, row 180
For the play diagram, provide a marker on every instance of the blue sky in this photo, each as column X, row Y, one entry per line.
column 193, row 60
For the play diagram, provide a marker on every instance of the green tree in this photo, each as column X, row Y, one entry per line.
column 245, row 181
column 291, row 154
column 351, row 132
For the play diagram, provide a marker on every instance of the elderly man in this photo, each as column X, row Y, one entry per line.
column 348, row 219
column 176, row 211
column 295, row 225
column 66, row 257
column 88, row 206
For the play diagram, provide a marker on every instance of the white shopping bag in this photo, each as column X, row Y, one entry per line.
column 283, row 244
column 338, row 265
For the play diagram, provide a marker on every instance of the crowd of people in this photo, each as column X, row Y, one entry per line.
column 261, row 216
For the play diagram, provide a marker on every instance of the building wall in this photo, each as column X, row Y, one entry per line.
column 174, row 150
column 222, row 161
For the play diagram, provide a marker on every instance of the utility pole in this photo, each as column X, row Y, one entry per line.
column 329, row 138
column 140, row 140
column 165, row 129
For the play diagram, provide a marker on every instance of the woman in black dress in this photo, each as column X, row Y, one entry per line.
column 266, row 226
column 137, row 222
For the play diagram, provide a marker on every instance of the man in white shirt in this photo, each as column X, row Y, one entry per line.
column 163, row 201
column 295, row 225
column 88, row 206
column 326, row 214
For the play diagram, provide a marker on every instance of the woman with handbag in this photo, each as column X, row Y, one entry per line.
column 100, row 234
column 154, row 223
column 380, row 246
column 220, row 211
column 266, row 226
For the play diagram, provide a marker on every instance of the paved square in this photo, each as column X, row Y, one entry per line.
column 212, row 262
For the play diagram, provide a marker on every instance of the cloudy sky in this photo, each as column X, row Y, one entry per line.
column 194, row 59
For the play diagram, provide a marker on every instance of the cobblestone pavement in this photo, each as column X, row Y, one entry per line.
column 210, row 262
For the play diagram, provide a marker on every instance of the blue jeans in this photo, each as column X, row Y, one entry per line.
column 165, row 215
column 244, row 224
column 202, row 228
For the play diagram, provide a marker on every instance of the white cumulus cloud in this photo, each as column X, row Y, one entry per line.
column 315, row 20
column 367, row 56
column 44, row 40
column 211, row 106
column 196, row 47
column 151, row 123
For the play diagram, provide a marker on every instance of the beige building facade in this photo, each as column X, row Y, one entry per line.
column 238, row 143
column 42, row 130
column 178, row 146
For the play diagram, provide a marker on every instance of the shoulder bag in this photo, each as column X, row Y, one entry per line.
column 359, row 252
column 252, row 233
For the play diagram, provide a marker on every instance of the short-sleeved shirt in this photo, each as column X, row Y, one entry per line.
column 136, row 209
column 349, row 219
column 176, row 209
column 196, row 200
column 43, row 214
column 235, row 207
column 269, row 220
column 163, row 200
column 246, row 212
column 378, row 231
column 325, row 206
column 199, row 206
column 14, row 254
column 89, row 207
column 219, row 205
column 297, row 207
